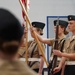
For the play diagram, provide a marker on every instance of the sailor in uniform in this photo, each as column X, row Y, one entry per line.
column 62, row 32
column 68, row 56
column 33, row 49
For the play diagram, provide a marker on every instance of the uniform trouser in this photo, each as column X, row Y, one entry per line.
column 69, row 70
column 36, row 70
column 58, row 73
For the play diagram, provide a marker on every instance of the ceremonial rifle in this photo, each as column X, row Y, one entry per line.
column 53, row 62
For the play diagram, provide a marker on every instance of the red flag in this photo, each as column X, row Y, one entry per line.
column 23, row 1
column 28, row 4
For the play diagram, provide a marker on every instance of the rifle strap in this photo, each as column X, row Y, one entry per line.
column 61, row 49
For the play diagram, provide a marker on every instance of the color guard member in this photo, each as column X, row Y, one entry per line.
column 33, row 50
column 69, row 50
column 62, row 32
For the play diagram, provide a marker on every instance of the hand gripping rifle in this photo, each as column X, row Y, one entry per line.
column 53, row 62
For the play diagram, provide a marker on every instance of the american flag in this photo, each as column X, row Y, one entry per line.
column 28, row 6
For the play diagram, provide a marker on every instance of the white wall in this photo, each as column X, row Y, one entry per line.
column 40, row 9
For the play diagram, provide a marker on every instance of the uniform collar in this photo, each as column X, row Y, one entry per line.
column 72, row 37
column 61, row 37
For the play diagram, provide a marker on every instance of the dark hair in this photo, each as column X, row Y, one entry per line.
column 11, row 32
column 9, row 48
column 65, row 31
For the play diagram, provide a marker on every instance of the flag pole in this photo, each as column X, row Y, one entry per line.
column 40, row 47
column 26, row 34
column 26, row 26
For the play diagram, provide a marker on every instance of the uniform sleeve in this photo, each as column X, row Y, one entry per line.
column 43, row 47
column 51, row 42
column 66, row 45
column 21, row 51
column 29, row 43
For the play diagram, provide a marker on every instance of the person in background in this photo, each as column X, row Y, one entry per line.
column 33, row 49
column 11, row 38
column 69, row 50
column 62, row 32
